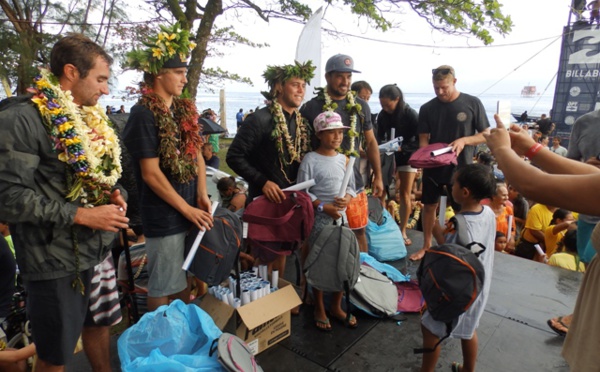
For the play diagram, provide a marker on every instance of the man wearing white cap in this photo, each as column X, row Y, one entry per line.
column 356, row 114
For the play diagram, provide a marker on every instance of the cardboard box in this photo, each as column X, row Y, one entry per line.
column 261, row 323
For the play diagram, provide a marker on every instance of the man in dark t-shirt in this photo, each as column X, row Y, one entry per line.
column 163, row 137
column 457, row 119
column 356, row 114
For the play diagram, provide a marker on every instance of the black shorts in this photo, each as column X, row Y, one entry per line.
column 437, row 182
column 57, row 312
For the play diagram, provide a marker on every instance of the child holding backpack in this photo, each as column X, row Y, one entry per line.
column 327, row 167
column 472, row 183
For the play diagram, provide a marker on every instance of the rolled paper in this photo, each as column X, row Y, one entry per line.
column 237, row 303
column 442, row 215
column 265, row 286
column 441, row 151
column 245, row 230
column 253, row 295
column 539, row 250
column 245, row 297
column 230, row 298
column 192, row 252
column 262, row 271
column 232, row 282
column 301, row 186
column 510, row 219
column 392, row 132
column 274, row 278
column 346, row 180
column 255, row 270
column 391, row 146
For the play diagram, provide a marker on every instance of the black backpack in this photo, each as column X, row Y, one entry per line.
column 219, row 248
column 451, row 277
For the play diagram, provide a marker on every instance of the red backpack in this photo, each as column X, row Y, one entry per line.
column 277, row 229
column 424, row 158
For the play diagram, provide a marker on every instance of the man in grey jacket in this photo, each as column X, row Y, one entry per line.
column 59, row 164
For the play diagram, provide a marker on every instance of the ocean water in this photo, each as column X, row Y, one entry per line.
column 535, row 106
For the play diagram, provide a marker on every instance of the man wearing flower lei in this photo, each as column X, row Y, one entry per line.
column 269, row 146
column 60, row 162
column 356, row 114
column 162, row 136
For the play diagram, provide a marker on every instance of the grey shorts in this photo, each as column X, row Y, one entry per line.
column 165, row 258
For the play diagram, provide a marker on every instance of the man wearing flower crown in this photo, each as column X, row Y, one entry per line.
column 356, row 114
column 163, row 137
column 269, row 146
column 59, row 164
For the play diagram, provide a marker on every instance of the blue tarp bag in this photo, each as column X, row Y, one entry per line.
column 385, row 240
column 177, row 337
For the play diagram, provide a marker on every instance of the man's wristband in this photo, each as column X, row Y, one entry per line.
column 533, row 150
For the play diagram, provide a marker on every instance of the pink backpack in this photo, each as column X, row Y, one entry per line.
column 423, row 157
column 410, row 298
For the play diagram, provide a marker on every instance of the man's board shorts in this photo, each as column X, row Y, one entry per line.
column 357, row 211
column 58, row 311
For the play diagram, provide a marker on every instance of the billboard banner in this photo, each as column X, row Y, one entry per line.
column 577, row 83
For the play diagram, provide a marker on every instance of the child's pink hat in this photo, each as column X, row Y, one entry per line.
column 328, row 120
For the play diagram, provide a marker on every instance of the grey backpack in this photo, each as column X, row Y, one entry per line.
column 375, row 293
column 333, row 264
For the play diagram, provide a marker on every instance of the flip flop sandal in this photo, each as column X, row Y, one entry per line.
column 456, row 367
column 559, row 332
column 347, row 324
column 325, row 323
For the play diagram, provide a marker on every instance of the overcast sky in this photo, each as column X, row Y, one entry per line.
column 410, row 67
column 504, row 67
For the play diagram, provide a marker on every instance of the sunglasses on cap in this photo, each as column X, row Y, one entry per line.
column 443, row 71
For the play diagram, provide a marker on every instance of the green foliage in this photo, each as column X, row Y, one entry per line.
column 280, row 74
column 34, row 26
column 213, row 77
column 463, row 17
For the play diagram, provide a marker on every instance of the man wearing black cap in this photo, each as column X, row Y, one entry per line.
column 455, row 118
column 356, row 114
column 163, row 136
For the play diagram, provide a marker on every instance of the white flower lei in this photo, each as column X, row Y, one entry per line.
column 98, row 140
column 351, row 106
column 296, row 149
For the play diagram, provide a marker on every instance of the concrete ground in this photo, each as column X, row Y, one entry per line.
column 513, row 335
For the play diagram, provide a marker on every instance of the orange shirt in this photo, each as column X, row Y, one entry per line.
column 502, row 221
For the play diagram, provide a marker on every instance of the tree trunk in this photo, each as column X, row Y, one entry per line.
column 214, row 8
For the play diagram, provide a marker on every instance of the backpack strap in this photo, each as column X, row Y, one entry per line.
column 430, row 350
column 462, row 235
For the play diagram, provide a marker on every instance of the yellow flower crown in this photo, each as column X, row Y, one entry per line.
column 170, row 43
